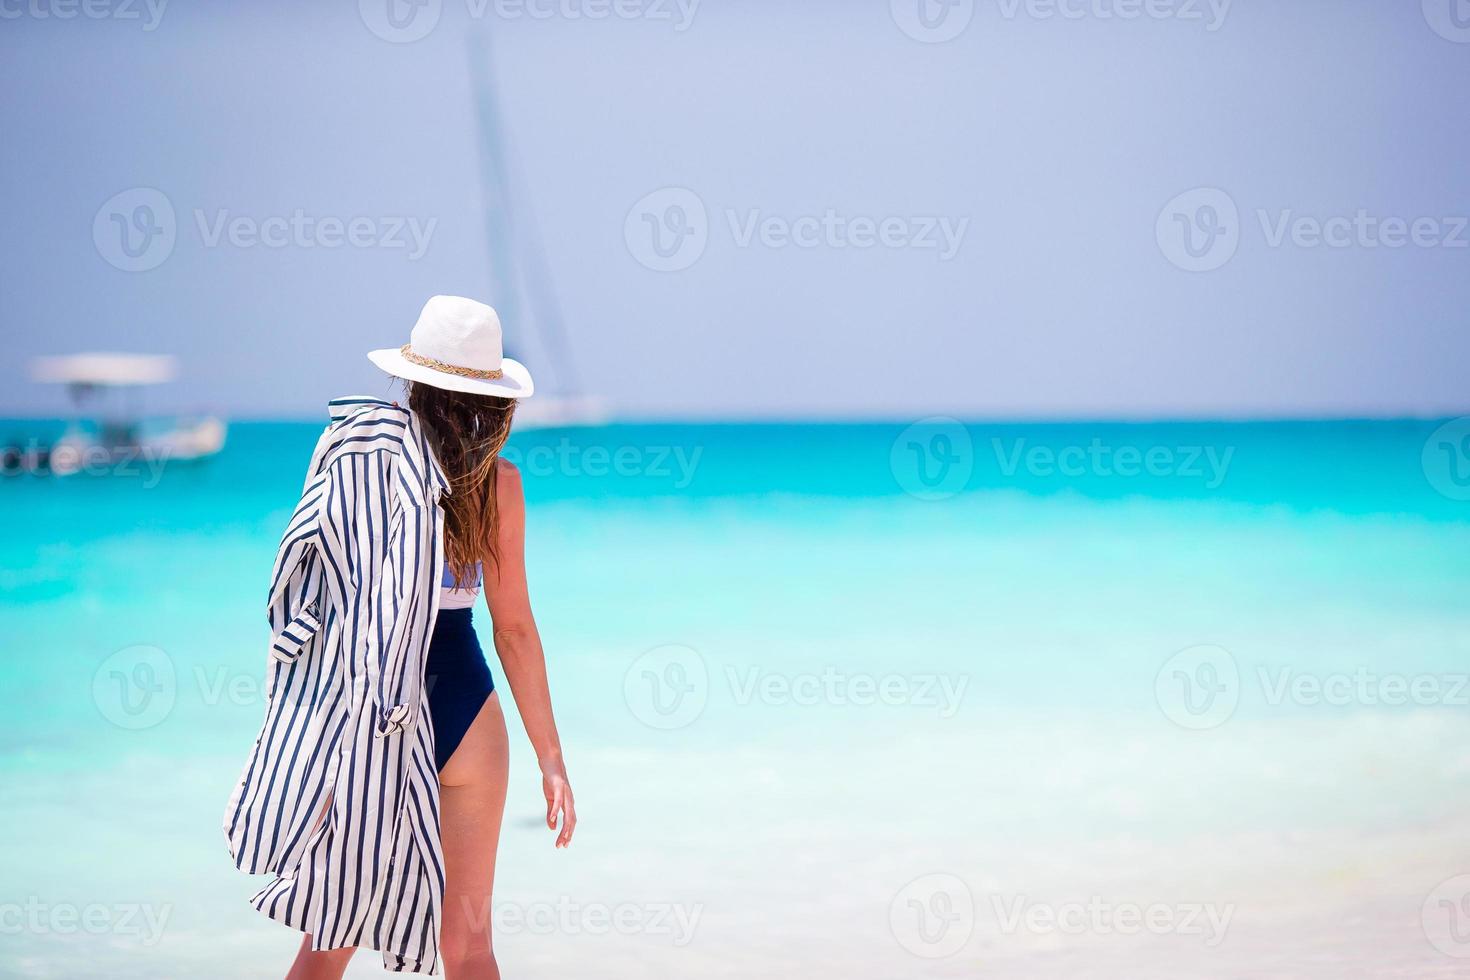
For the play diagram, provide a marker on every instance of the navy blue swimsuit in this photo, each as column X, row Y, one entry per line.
column 457, row 677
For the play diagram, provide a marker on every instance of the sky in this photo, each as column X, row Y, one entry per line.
column 758, row 209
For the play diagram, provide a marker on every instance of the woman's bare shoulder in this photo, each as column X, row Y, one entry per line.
column 507, row 483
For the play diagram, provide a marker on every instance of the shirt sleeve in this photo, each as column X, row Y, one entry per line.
column 294, row 584
column 294, row 604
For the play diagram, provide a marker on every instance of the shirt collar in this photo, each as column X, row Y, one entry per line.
column 417, row 441
column 340, row 408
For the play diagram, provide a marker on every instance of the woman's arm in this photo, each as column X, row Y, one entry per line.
column 519, row 647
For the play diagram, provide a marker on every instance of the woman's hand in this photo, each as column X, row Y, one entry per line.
column 558, row 799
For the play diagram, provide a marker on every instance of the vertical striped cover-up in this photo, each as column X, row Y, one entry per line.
column 339, row 797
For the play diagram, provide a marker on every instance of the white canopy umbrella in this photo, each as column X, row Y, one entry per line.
column 105, row 369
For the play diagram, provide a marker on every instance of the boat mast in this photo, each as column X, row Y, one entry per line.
column 517, row 259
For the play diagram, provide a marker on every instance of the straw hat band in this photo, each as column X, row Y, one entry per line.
column 463, row 372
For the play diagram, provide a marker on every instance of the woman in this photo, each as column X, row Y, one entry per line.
column 376, row 787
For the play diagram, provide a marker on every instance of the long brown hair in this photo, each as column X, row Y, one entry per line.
column 466, row 433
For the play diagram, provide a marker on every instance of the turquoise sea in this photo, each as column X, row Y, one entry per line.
column 945, row 700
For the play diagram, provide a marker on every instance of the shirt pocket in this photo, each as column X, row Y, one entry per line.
column 292, row 638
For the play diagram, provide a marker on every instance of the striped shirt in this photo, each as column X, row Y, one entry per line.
column 339, row 797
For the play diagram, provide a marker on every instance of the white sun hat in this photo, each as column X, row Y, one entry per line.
column 456, row 345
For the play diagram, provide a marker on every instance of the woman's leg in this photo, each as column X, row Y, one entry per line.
column 325, row 964
column 471, row 804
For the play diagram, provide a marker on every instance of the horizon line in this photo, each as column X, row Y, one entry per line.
column 835, row 420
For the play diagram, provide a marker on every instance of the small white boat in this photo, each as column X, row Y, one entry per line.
column 108, row 430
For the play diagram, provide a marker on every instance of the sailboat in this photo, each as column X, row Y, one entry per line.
column 519, row 276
